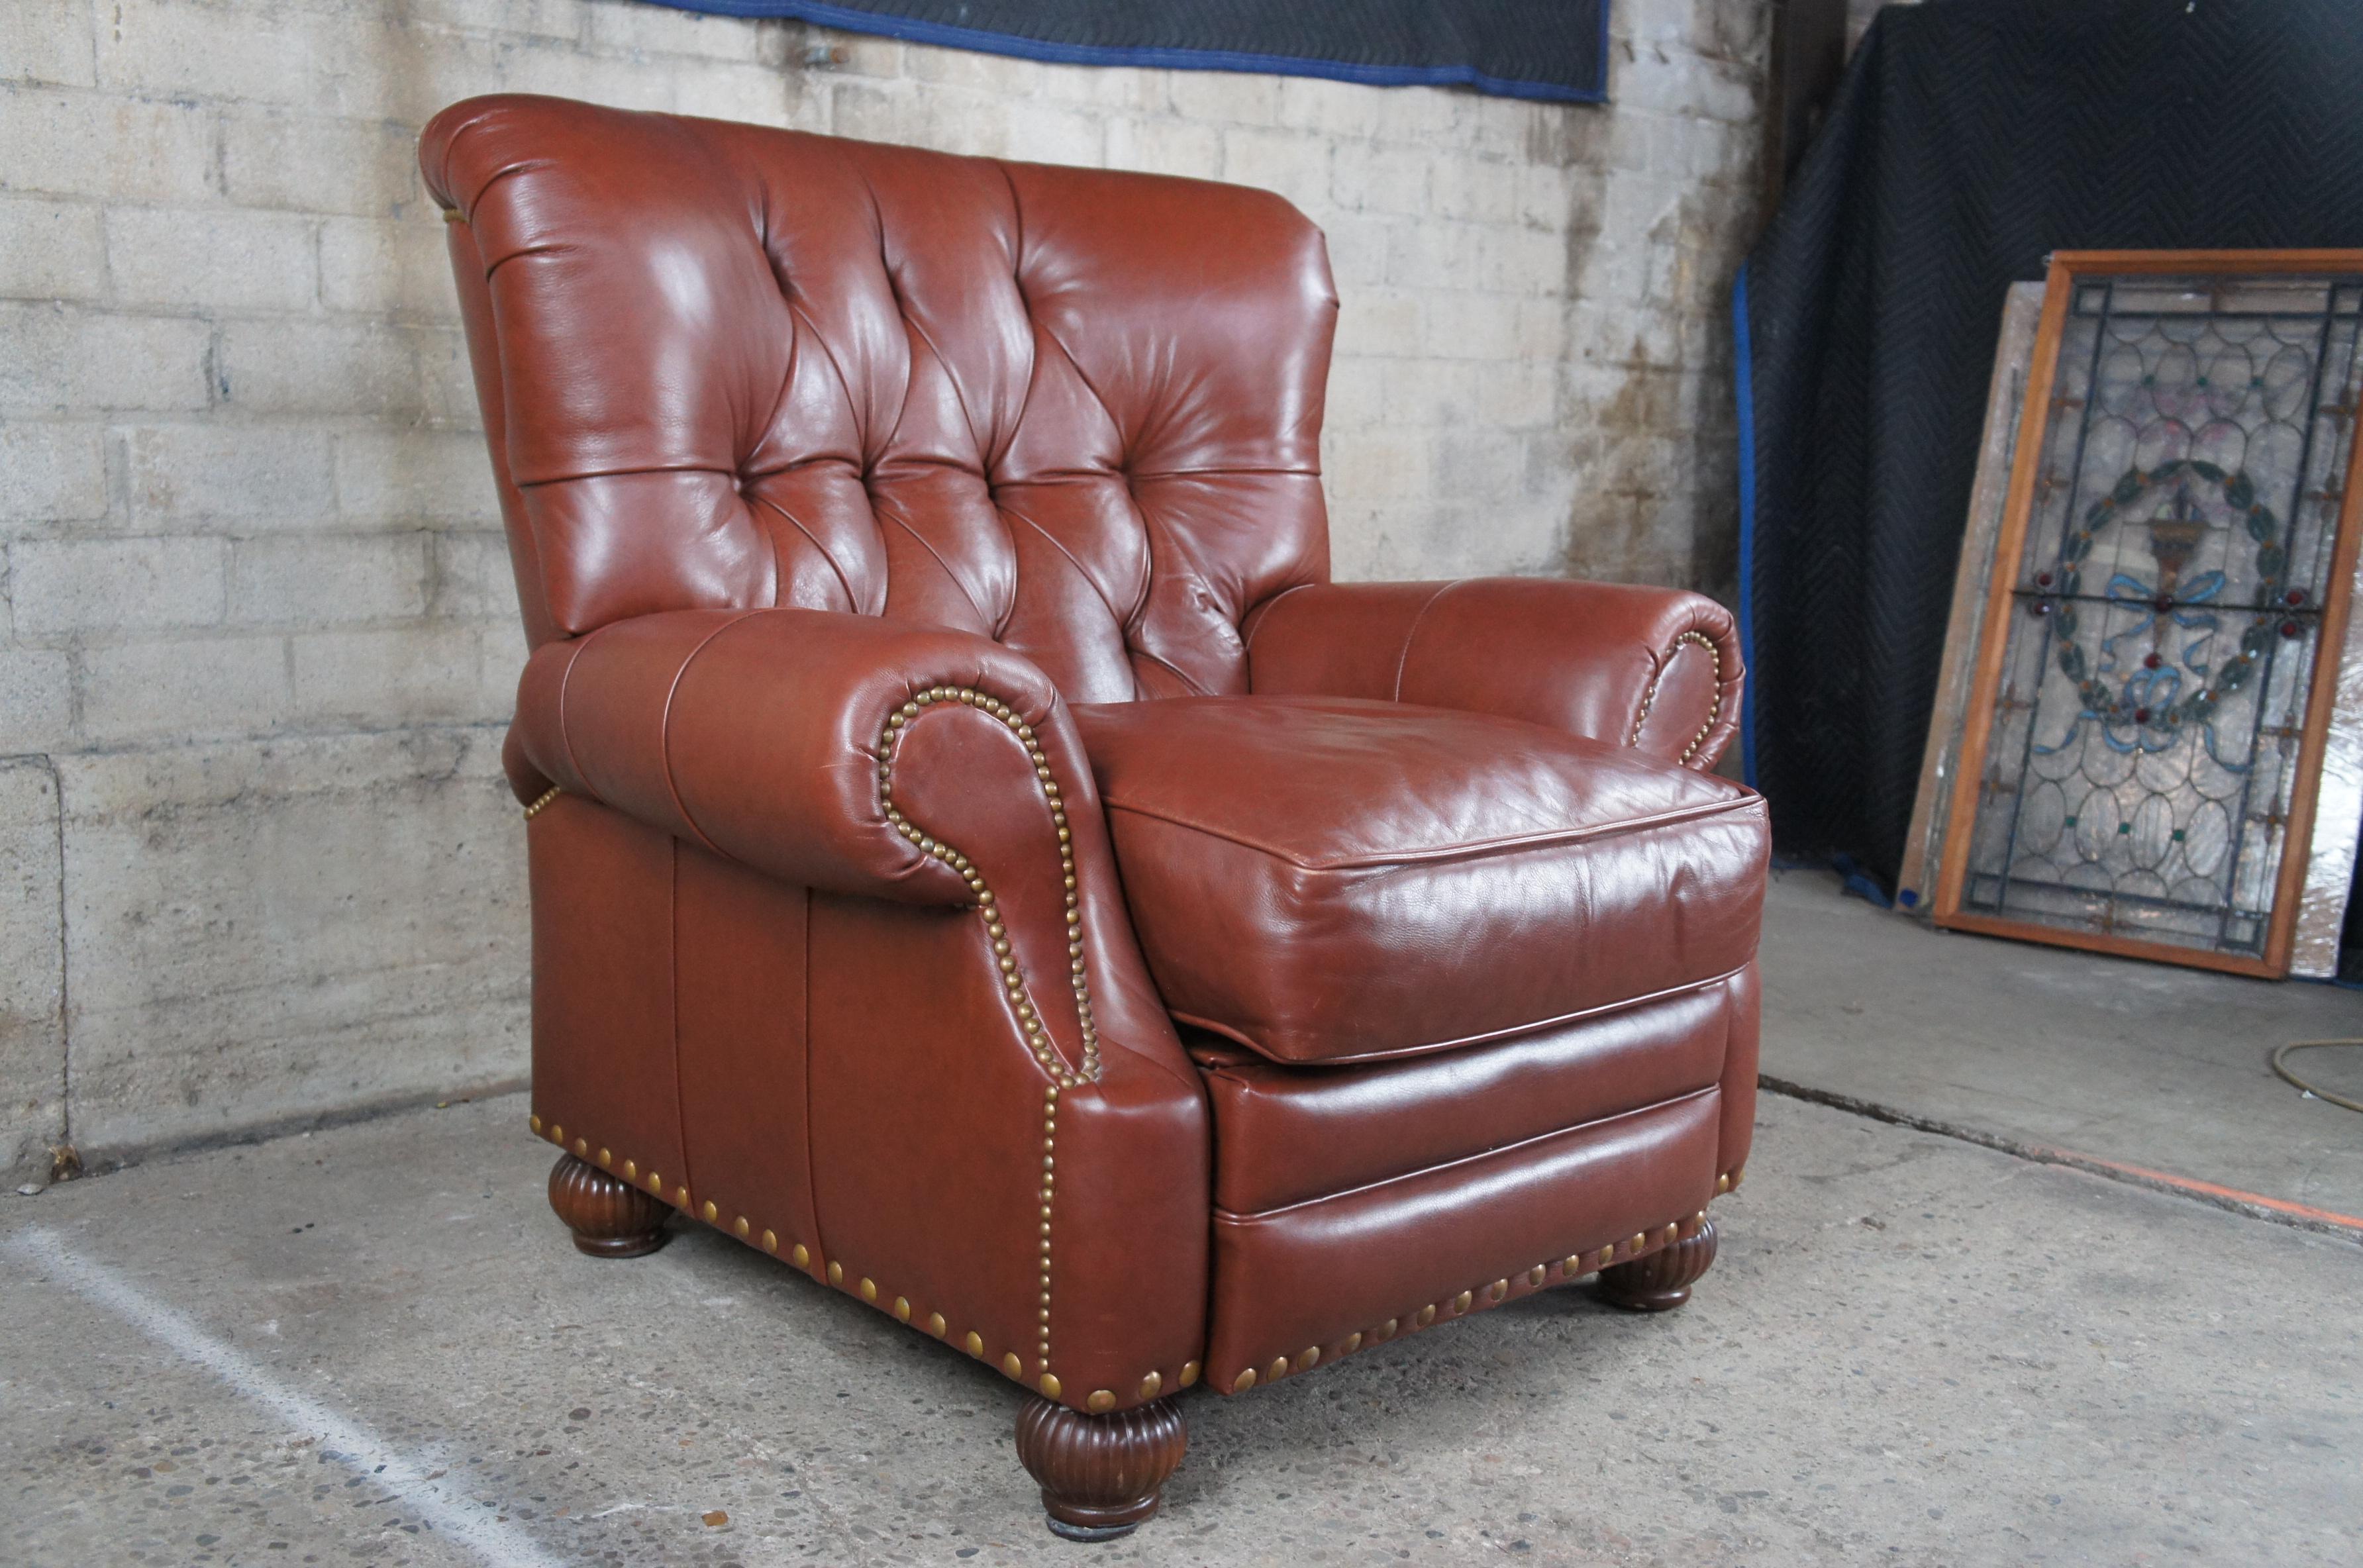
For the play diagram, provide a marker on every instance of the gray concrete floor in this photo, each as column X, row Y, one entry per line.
column 2140, row 1063
column 374, row 1345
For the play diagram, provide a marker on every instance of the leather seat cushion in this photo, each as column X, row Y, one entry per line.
column 1285, row 1135
column 1334, row 879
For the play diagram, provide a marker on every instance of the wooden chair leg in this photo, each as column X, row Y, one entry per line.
column 610, row 1218
column 1101, row 1475
column 1661, row 1281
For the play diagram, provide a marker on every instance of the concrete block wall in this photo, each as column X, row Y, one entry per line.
column 260, row 640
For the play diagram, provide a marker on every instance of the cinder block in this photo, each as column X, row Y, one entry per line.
column 278, row 158
column 1225, row 97
column 1478, row 189
column 299, row 367
column 51, row 473
column 617, row 27
column 473, row 581
column 76, row 587
column 172, row 689
column 46, row 41
column 85, row 144
column 412, row 675
column 437, row 478
column 288, row 55
column 1371, row 177
column 32, row 972
column 36, row 700
column 221, row 259
column 266, row 475
column 265, row 931
column 1471, row 325
column 1162, row 145
column 1046, row 133
column 52, row 251
column 388, row 265
column 1294, row 163
column 320, row 580
column 69, row 360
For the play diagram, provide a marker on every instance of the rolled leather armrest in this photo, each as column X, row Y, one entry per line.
column 756, row 734
column 1656, row 668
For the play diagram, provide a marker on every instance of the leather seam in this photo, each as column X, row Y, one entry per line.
column 1270, row 607
column 1402, row 658
column 1508, row 1031
column 664, row 728
column 565, row 732
column 1474, row 850
column 1238, row 1221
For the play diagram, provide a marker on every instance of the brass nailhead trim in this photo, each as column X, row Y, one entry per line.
column 1049, row 1386
column 1101, row 1402
column 1151, row 1385
column 1571, row 1267
column 1013, row 979
column 547, row 796
column 1189, row 1373
column 1650, row 698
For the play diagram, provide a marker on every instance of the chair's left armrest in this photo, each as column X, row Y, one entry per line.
column 1656, row 668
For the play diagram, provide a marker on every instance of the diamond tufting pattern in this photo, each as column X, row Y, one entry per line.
column 1074, row 411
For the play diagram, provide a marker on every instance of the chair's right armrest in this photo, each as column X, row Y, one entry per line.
column 762, row 734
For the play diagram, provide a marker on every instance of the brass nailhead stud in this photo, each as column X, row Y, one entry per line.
column 1189, row 1373
column 604, row 1156
column 1461, row 1302
column 557, row 1133
column 1244, row 1381
column 1011, row 1365
column 1426, row 1315
column 975, row 1342
column 1388, row 1330
column 837, row 1274
column 771, row 1241
column 800, row 1257
column 1723, row 1184
column 1673, row 1233
column 1276, row 1370
column 1537, row 1274
column 1571, row 1265
column 1151, row 1385
column 1698, row 1219
column 539, row 806
column 936, row 1324
column 1049, row 1386
column 1639, row 1241
column 656, row 1183
column 1101, row 1402
column 1353, row 1342
column 681, row 1197
column 740, row 1226
column 536, row 1122
column 581, row 1146
column 1498, row 1289
column 869, row 1288
column 712, row 1213
column 632, row 1170
column 1310, row 1359
column 903, row 1307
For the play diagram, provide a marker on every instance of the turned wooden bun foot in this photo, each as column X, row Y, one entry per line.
column 1101, row 1474
column 610, row 1218
column 1661, row 1281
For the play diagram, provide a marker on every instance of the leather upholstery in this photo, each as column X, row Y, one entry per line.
column 1289, row 1134
column 1654, row 669
column 1076, row 412
column 1332, row 879
column 856, row 495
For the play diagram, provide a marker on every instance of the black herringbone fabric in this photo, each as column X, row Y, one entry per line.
column 1971, row 138
column 1524, row 48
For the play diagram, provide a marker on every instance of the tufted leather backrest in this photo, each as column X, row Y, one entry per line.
column 1074, row 411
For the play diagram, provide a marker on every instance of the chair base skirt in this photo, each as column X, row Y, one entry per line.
column 1300, row 1286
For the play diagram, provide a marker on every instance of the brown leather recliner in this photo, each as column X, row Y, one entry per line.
column 980, row 857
